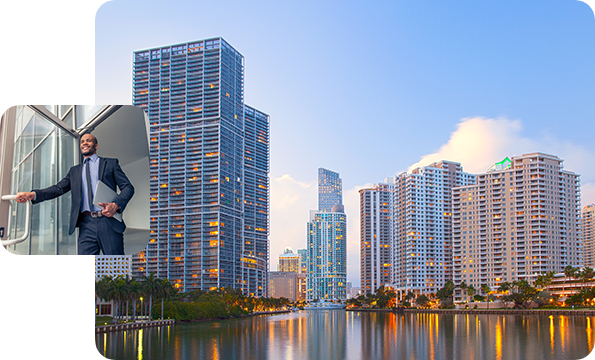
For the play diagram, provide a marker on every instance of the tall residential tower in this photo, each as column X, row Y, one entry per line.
column 209, row 164
column 376, row 236
column 522, row 218
column 422, row 254
column 327, row 242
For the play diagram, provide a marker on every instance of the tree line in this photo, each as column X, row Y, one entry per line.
column 520, row 292
column 221, row 303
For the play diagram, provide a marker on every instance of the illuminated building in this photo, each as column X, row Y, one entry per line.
column 288, row 261
column 588, row 227
column 522, row 218
column 376, row 236
column 209, row 164
column 327, row 242
column 422, row 257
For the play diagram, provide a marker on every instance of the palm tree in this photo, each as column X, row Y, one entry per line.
column 150, row 287
column 569, row 272
column 165, row 290
column 470, row 290
column 101, row 287
column 463, row 286
column 134, row 292
column 486, row 289
column 586, row 275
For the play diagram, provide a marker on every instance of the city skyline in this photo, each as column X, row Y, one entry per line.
column 432, row 88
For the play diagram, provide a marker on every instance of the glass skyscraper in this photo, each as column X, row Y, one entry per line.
column 327, row 242
column 330, row 189
column 209, row 164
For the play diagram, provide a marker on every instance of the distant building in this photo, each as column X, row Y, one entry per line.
column 522, row 218
column 588, row 227
column 422, row 252
column 283, row 284
column 289, row 261
column 327, row 242
column 113, row 265
column 376, row 236
column 303, row 253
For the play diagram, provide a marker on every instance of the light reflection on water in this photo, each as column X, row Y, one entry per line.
column 337, row 334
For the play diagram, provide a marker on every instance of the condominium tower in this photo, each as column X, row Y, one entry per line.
column 522, row 218
column 588, row 226
column 422, row 253
column 376, row 236
column 327, row 242
column 209, row 164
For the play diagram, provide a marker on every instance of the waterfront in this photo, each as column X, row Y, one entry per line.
column 337, row 334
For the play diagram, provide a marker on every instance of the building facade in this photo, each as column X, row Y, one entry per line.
column 522, row 218
column 588, row 227
column 376, row 236
column 209, row 164
column 289, row 261
column 327, row 242
column 330, row 189
column 113, row 265
column 422, row 252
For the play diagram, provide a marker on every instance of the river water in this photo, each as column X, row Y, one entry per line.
column 339, row 334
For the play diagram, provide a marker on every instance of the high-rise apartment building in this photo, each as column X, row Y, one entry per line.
column 522, row 218
column 209, row 164
column 113, row 265
column 422, row 253
column 588, row 227
column 289, row 261
column 327, row 242
column 330, row 189
column 376, row 236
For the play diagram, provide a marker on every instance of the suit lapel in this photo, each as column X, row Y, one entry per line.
column 102, row 162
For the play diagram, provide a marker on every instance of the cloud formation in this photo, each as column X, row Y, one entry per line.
column 479, row 142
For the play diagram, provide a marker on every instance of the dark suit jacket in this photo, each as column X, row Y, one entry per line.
column 110, row 173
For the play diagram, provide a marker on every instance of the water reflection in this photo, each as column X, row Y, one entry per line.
column 338, row 335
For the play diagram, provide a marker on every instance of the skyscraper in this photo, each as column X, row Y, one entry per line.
column 330, row 189
column 376, row 236
column 422, row 253
column 588, row 227
column 289, row 261
column 209, row 163
column 327, row 242
column 522, row 218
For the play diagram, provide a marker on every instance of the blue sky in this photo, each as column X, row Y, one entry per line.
column 368, row 91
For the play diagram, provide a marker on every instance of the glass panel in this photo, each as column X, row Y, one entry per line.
column 66, row 154
column 85, row 112
column 43, row 219
column 42, row 128
column 69, row 119
column 62, row 109
column 51, row 108
column 24, row 129
column 24, row 183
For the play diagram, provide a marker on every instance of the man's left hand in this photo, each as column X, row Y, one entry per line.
column 109, row 209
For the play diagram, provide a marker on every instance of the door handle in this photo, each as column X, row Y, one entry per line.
column 27, row 223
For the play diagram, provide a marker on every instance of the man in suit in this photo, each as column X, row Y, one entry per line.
column 98, row 229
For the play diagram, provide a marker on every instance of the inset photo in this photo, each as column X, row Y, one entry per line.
column 74, row 179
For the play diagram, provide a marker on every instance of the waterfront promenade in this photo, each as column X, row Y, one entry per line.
column 146, row 324
column 540, row 312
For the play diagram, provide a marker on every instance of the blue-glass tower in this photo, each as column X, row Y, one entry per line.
column 209, row 164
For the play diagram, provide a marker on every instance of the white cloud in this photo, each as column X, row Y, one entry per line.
column 291, row 201
column 478, row 143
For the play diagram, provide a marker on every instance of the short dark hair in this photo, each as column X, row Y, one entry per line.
column 94, row 138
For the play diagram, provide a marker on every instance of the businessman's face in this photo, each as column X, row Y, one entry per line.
column 88, row 145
